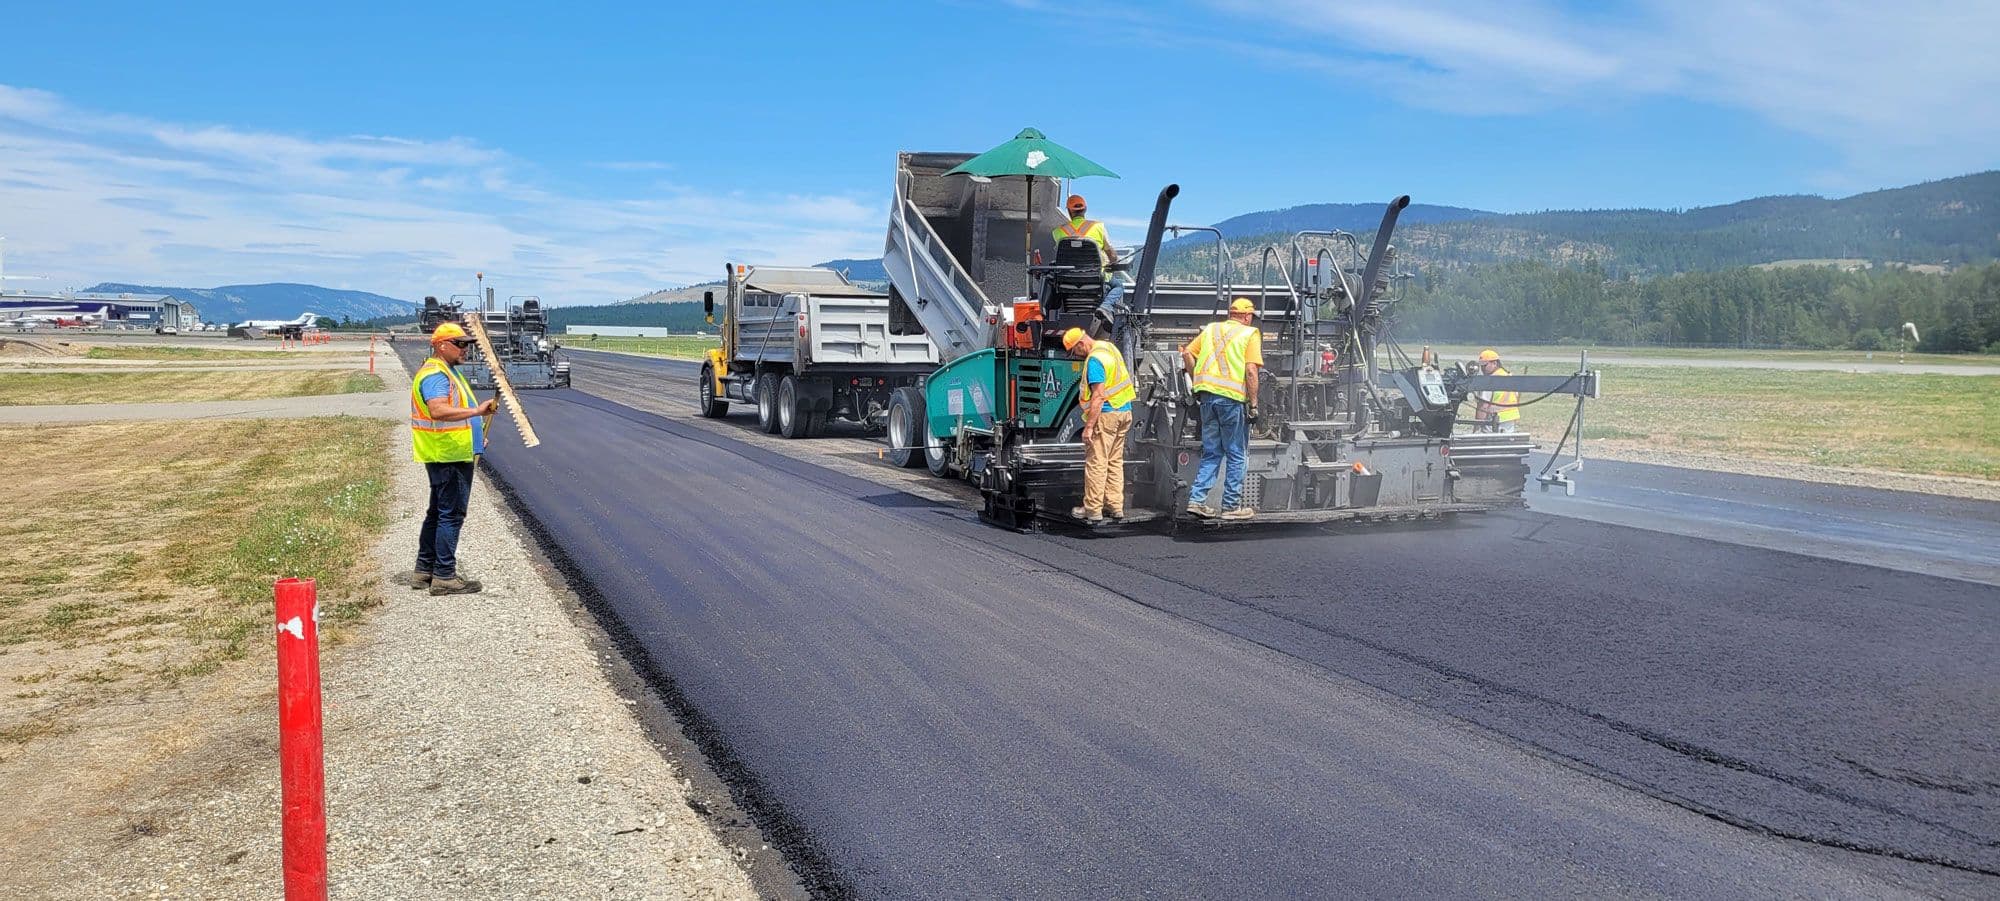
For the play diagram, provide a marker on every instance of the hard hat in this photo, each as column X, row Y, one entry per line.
column 1242, row 305
column 449, row 331
column 1489, row 355
column 1076, row 202
column 1072, row 338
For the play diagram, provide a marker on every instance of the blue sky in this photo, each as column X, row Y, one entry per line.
column 590, row 152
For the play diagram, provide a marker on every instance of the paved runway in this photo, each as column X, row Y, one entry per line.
column 1523, row 704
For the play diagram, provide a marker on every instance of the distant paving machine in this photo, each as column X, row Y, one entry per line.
column 805, row 346
column 520, row 336
column 1340, row 435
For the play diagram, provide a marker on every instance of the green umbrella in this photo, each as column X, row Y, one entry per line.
column 1031, row 154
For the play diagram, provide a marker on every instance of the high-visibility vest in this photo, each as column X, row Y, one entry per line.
column 1091, row 230
column 436, row 441
column 1505, row 403
column 1222, row 366
column 1118, row 390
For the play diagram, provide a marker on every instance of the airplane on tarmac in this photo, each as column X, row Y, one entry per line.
column 41, row 317
column 305, row 320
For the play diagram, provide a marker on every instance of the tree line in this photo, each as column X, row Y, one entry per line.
column 1806, row 307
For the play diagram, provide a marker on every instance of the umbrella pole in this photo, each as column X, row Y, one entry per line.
column 1028, row 244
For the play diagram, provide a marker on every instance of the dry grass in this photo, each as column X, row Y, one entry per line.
column 164, row 387
column 134, row 556
column 172, row 353
column 1925, row 424
column 677, row 347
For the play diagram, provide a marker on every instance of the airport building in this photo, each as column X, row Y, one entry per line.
column 130, row 310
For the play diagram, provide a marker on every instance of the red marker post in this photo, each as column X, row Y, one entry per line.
column 302, row 768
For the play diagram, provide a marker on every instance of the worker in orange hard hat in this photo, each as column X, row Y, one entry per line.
column 1223, row 361
column 447, row 431
column 1081, row 226
column 1497, row 411
column 1105, row 399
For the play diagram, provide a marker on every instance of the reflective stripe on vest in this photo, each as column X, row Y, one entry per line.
column 434, row 440
column 1117, row 382
column 1506, row 403
column 1221, row 367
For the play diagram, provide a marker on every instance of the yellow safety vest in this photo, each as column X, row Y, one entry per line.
column 1088, row 229
column 1118, row 390
column 1505, row 403
column 436, row 441
column 1223, row 364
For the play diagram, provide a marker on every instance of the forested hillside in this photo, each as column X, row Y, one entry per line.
column 1793, row 307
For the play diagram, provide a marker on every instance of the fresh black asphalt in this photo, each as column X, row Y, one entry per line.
column 936, row 707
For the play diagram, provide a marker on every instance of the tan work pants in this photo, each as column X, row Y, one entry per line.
column 1104, row 465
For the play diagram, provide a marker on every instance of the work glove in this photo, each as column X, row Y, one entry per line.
column 1254, row 416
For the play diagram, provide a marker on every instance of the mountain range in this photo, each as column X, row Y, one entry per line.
column 1943, row 223
column 235, row 303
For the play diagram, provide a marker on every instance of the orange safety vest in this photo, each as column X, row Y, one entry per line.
column 1222, row 366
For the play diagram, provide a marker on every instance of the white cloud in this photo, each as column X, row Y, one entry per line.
column 88, row 196
column 1893, row 87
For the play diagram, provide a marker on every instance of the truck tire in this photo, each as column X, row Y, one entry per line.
column 711, row 406
column 907, row 430
column 937, row 457
column 795, row 414
column 767, row 403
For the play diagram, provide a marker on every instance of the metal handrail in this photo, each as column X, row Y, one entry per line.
column 924, row 240
column 1221, row 261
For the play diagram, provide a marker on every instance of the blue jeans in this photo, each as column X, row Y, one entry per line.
column 437, row 544
column 1114, row 290
column 1224, row 435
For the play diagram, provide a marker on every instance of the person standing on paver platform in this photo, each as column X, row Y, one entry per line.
column 1497, row 411
column 1223, row 361
column 447, row 432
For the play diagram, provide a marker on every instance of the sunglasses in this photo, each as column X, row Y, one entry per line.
column 461, row 342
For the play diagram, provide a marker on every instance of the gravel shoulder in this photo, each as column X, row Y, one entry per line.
column 476, row 747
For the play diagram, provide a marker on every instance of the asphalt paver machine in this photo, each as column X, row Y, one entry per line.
column 520, row 336
column 1350, row 426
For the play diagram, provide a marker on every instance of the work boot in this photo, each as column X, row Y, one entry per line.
column 1115, row 516
column 1088, row 516
column 1238, row 513
column 453, row 585
column 416, row 578
column 1202, row 510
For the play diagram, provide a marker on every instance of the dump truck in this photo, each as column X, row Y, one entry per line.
column 806, row 346
column 1351, row 427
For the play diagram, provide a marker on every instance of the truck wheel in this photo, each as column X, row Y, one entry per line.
column 711, row 406
column 907, row 428
column 937, row 456
column 794, row 418
column 767, row 403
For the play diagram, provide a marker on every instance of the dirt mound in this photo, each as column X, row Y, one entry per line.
column 37, row 347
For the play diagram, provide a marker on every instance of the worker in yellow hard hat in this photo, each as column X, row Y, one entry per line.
column 1497, row 411
column 1106, row 403
column 1223, row 361
column 1081, row 226
column 447, row 430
